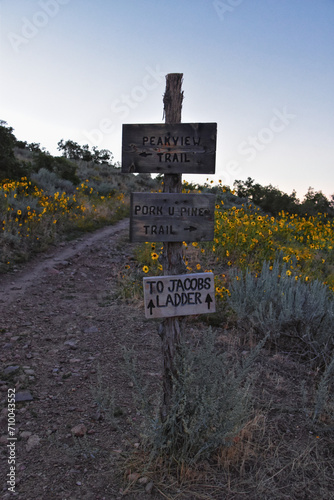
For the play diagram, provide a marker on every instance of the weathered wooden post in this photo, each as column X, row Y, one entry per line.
column 172, row 262
column 171, row 217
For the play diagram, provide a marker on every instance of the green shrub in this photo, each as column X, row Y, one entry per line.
column 51, row 183
column 277, row 303
column 62, row 167
column 211, row 404
column 10, row 167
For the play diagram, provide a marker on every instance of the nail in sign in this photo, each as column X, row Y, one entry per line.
column 179, row 295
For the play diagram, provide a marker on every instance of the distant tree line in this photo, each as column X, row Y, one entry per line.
column 19, row 159
column 73, row 151
column 273, row 201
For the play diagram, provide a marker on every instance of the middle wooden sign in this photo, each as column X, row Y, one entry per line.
column 172, row 217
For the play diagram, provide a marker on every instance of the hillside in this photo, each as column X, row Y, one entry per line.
column 47, row 199
column 253, row 409
column 64, row 329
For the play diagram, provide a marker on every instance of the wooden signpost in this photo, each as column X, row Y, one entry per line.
column 179, row 295
column 172, row 217
column 177, row 148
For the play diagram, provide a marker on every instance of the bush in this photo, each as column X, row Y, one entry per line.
column 51, row 183
column 66, row 169
column 10, row 167
column 62, row 167
column 277, row 303
column 211, row 404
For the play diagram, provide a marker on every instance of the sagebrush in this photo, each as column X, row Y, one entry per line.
column 278, row 303
column 211, row 403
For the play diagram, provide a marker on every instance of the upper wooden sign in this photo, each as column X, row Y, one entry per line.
column 179, row 148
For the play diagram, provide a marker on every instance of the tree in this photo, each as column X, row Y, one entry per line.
column 34, row 147
column 21, row 144
column 269, row 198
column 61, row 166
column 103, row 156
column 331, row 203
column 316, row 202
column 86, row 154
column 71, row 150
column 243, row 187
column 10, row 167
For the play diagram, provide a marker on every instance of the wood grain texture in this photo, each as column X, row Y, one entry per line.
column 172, row 258
column 172, row 217
column 179, row 295
column 169, row 148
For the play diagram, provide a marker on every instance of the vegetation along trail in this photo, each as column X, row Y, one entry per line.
column 62, row 333
column 81, row 366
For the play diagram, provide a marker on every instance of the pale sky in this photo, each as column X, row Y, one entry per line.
column 262, row 69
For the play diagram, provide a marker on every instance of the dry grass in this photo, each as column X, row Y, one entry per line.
column 254, row 466
column 279, row 454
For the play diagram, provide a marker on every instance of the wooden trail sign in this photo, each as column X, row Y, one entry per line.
column 171, row 149
column 179, row 295
column 172, row 217
column 177, row 148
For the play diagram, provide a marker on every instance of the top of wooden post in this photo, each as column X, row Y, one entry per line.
column 172, row 110
column 173, row 98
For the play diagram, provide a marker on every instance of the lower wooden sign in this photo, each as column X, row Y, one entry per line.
column 180, row 295
column 172, row 217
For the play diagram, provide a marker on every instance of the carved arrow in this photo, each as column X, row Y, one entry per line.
column 208, row 300
column 151, row 306
column 190, row 228
column 145, row 154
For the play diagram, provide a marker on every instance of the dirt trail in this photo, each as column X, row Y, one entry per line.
column 63, row 331
column 12, row 286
